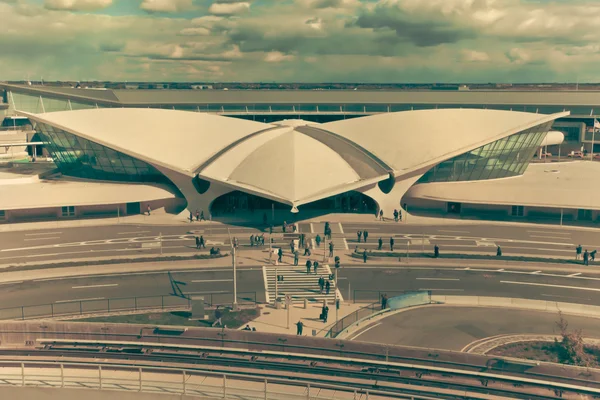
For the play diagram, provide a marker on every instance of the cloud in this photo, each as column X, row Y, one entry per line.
column 197, row 31
column 229, row 8
column 166, row 6
column 275, row 57
column 475, row 56
column 77, row 5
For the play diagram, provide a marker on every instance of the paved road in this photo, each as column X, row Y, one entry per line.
column 82, row 242
column 356, row 283
column 452, row 328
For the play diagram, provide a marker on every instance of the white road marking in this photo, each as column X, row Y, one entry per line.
column 95, row 286
column 551, row 232
column 563, row 297
column 443, row 230
column 131, row 274
column 345, row 243
column 341, row 229
column 548, row 237
column 466, row 269
column 536, row 272
column 575, row 274
column 42, row 238
column 366, row 330
column 549, row 285
column 45, row 233
column 212, row 280
column 485, row 243
column 501, row 270
column 444, row 290
column 11, row 283
column 437, row 279
column 312, row 228
column 131, row 233
column 216, row 292
column 71, row 301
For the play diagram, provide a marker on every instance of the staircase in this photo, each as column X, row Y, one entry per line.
column 297, row 283
column 337, row 236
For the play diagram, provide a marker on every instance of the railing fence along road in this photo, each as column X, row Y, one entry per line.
column 172, row 380
column 119, row 305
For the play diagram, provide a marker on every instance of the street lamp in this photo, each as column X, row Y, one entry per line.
column 233, row 256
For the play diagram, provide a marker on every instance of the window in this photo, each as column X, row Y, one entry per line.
column 517, row 211
column 2, row 214
column 68, row 211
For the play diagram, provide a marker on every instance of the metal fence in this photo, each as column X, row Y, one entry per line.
column 116, row 305
column 352, row 318
column 363, row 296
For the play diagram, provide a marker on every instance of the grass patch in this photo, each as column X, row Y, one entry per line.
column 398, row 254
column 540, row 351
column 232, row 319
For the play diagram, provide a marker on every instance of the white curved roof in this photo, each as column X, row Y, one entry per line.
column 293, row 161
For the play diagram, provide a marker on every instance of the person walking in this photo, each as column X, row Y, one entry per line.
column 197, row 243
column 308, row 266
column 148, row 209
column 395, row 215
column 327, row 287
column 296, row 257
column 498, row 252
column 318, row 240
column 218, row 316
column 315, row 266
column 380, row 243
column 586, row 257
column 302, row 238
column 364, row 256
column 392, row 243
column 191, row 217
column 436, row 251
column 202, row 243
column 321, row 284
column 359, row 235
column 578, row 252
column 365, row 236
column 324, row 312
column 299, row 327
column 202, row 216
column 292, row 245
column 381, row 215
column 593, row 255
column 279, row 254
column 307, row 250
column 330, row 249
column 197, row 216
column 384, row 300
column 251, row 240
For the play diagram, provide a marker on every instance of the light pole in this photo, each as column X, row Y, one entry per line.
column 336, row 296
column 233, row 256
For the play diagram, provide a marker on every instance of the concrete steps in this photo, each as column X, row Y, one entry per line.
column 297, row 283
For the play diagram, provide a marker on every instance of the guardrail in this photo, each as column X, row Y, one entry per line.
column 169, row 380
column 118, row 305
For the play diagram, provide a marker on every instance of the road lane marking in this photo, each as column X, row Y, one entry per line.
column 536, row 272
column 575, row 274
column 437, row 279
column 312, row 228
column 131, row 233
column 445, row 290
column 549, row 285
column 368, row 329
column 45, row 233
column 548, row 237
column 212, row 280
column 43, row 238
column 71, row 301
column 551, row 232
column 445, row 230
column 501, row 270
column 563, row 297
column 341, row 229
column 95, row 286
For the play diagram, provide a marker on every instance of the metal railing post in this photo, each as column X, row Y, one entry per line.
column 224, row 386
column 140, row 389
column 354, row 394
column 162, row 304
column 308, row 391
column 183, row 383
column 266, row 389
column 108, row 305
column 367, row 395
column 100, row 376
column 23, row 312
column 135, row 303
column 23, row 374
column 62, row 375
column 80, row 307
column 52, row 309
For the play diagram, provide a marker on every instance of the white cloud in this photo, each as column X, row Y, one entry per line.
column 166, row 6
column 475, row 56
column 198, row 31
column 77, row 5
column 276, row 56
column 229, row 8
column 518, row 56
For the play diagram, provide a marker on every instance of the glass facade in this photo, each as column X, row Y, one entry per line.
column 500, row 159
column 82, row 158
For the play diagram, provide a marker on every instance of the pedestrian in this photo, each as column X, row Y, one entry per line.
column 308, row 266
column 327, row 287
column 302, row 237
column 380, row 242
column 392, row 243
column 247, row 328
column 251, row 240
column 307, row 250
column 384, row 300
column 299, row 326
column 197, row 216
column 395, row 215
column 279, row 254
column 578, row 252
column 315, row 266
column 321, row 284
column 325, row 313
column 586, row 257
column 498, row 252
column 365, row 255
column 197, row 242
column 202, row 216
column 593, row 255
column 381, row 215
column 318, row 240
column 202, row 243
column 218, row 316
column 365, row 236
column 400, row 215
column 436, row 251
column 191, row 217
column 326, row 228
column 148, row 208
column 359, row 234
column 330, row 249
column 262, row 239
column 292, row 245
column 284, row 226
column 296, row 257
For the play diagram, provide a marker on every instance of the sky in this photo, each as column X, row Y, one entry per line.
column 445, row 41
